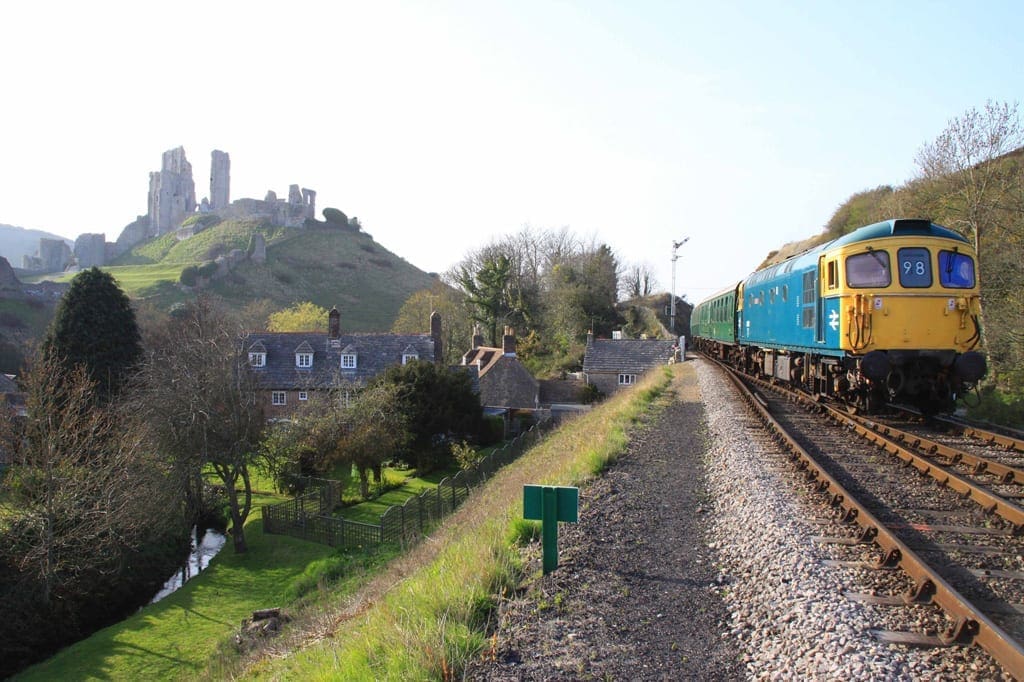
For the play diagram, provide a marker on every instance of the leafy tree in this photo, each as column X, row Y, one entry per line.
column 450, row 304
column 488, row 293
column 95, row 328
column 375, row 430
column 334, row 216
column 439, row 404
column 301, row 317
column 199, row 404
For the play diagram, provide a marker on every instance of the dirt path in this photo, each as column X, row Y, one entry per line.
column 635, row 596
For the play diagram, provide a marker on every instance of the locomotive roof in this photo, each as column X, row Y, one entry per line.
column 901, row 227
column 895, row 228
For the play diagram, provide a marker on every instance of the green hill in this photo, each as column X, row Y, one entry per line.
column 326, row 265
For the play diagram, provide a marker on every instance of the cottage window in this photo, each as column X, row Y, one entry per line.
column 278, row 398
column 257, row 359
column 409, row 357
column 627, row 379
column 304, row 360
column 303, row 396
column 348, row 361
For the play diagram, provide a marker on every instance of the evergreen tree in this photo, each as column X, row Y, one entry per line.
column 95, row 328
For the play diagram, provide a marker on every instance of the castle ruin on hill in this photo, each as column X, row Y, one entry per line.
column 172, row 201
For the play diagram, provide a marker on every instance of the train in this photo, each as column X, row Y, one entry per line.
column 886, row 314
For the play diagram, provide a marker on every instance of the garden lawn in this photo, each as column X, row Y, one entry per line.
column 176, row 637
column 370, row 511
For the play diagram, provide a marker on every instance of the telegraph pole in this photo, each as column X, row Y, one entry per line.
column 672, row 294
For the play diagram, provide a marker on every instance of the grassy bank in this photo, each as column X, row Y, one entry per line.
column 425, row 617
column 175, row 637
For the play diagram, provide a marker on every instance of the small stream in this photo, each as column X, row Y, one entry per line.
column 198, row 559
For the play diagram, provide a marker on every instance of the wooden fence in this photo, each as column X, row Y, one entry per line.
column 309, row 515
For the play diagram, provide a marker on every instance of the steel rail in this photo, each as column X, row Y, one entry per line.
column 986, row 499
column 970, row 625
column 1007, row 442
column 981, row 465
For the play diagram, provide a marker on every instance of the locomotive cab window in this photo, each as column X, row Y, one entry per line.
column 956, row 271
column 915, row 267
column 833, row 274
column 869, row 269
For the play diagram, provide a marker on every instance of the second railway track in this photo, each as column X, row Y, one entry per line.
column 949, row 522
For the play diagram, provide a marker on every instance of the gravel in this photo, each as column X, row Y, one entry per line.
column 694, row 558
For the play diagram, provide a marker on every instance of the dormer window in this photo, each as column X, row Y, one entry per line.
column 348, row 357
column 409, row 355
column 258, row 355
column 304, row 360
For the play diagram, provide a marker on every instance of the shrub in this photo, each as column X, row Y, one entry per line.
column 207, row 269
column 465, row 455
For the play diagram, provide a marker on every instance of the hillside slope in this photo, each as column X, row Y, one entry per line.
column 329, row 266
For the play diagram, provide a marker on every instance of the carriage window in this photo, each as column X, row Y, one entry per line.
column 956, row 270
column 869, row 269
column 833, row 274
column 915, row 267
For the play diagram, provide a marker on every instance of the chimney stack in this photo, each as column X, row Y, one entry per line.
column 478, row 338
column 508, row 343
column 590, row 337
column 435, row 334
column 334, row 323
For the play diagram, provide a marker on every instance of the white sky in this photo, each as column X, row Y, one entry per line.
column 741, row 125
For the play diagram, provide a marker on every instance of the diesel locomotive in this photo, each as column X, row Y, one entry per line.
column 888, row 313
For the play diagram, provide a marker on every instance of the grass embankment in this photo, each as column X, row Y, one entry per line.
column 426, row 616
column 421, row 616
column 176, row 637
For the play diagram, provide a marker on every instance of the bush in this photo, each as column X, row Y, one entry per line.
column 492, row 430
column 335, row 218
column 207, row 269
column 189, row 276
column 465, row 455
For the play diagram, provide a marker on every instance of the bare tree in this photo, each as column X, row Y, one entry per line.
column 638, row 281
column 81, row 492
column 961, row 160
column 199, row 400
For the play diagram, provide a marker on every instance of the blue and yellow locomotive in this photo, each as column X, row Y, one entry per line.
column 886, row 313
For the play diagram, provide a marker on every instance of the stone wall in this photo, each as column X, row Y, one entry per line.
column 172, row 193
column 90, row 250
column 220, row 180
column 54, row 255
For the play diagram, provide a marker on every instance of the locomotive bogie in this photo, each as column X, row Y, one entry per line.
column 889, row 312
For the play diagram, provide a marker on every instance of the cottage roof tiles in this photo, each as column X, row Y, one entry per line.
column 628, row 356
column 374, row 353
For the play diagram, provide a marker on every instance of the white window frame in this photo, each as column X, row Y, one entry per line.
column 278, row 398
column 304, row 360
column 349, row 361
column 257, row 359
column 303, row 396
column 627, row 379
column 409, row 357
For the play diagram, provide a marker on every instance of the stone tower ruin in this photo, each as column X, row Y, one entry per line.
column 220, row 180
column 172, row 193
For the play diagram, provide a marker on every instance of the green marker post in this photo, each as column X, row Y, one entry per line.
column 550, row 504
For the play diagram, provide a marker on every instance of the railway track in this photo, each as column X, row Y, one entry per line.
column 946, row 517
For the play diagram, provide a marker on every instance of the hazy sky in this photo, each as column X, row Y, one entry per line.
column 741, row 125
